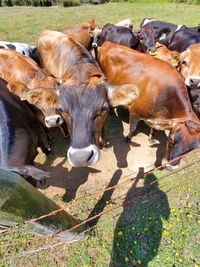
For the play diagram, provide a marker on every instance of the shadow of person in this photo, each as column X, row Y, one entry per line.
column 138, row 231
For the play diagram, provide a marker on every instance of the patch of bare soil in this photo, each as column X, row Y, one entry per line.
column 132, row 159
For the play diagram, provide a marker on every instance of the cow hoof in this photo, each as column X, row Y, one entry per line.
column 167, row 166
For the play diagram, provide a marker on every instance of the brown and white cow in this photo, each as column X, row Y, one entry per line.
column 26, row 79
column 83, row 96
column 82, row 32
column 152, row 91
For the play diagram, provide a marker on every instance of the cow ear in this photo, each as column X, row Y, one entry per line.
column 192, row 126
column 122, row 95
column 175, row 60
column 164, row 31
column 92, row 24
column 18, row 89
column 34, row 96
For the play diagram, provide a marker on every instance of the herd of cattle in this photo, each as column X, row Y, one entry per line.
column 153, row 72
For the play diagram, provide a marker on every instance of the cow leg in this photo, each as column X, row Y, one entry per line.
column 41, row 143
column 49, row 137
column 96, row 53
column 104, row 143
column 151, row 138
column 100, row 141
column 31, row 173
column 133, row 121
column 165, row 161
column 64, row 130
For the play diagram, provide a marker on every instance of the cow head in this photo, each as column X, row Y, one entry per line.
column 162, row 52
column 47, row 101
column 147, row 38
column 84, row 109
column 42, row 79
column 97, row 39
column 184, row 137
column 190, row 65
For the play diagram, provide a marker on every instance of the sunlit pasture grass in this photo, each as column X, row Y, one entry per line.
column 24, row 24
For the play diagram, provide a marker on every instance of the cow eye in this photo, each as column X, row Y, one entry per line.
column 105, row 108
column 60, row 110
column 64, row 113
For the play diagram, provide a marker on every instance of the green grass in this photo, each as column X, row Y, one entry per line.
column 24, row 24
column 159, row 226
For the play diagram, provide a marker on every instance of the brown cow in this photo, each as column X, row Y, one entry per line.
column 83, row 97
column 27, row 79
column 82, row 33
column 152, row 91
column 188, row 65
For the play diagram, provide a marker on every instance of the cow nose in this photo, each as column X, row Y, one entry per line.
column 168, row 166
column 151, row 50
column 94, row 45
column 53, row 121
column 194, row 81
column 58, row 120
column 83, row 157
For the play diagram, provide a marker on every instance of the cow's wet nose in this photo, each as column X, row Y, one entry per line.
column 194, row 81
column 152, row 51
column 53, row 121
column 170, row 166
column 82, row 157
column 94, row 45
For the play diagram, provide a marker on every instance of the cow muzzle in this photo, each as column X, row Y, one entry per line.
column 94, row 45
column 83, row 157
column 169, row 167
column 193, row 81
column 53, row 121
column 152, row 52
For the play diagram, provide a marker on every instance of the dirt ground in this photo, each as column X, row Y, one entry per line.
column 132, row 159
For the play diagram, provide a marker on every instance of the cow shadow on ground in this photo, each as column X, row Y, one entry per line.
column 114, row 134
column 138, row 231
column 116, row 137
